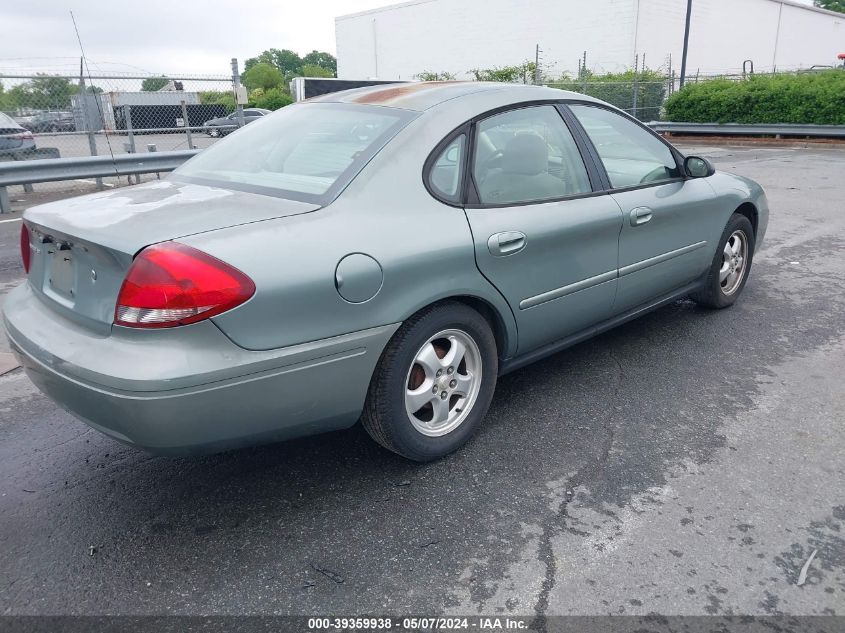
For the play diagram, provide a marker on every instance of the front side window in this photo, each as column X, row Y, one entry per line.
column 631, row 155
column 445, row 174
column 306, row 152
column 527, row 155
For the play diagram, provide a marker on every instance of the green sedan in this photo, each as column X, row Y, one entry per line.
column 379, row 255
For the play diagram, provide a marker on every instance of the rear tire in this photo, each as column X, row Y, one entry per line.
column 433, row 384
column 731, row 265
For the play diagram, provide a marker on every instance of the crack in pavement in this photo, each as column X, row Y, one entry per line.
column 557, row 522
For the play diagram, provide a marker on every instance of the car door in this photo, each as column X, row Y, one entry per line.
column 663, row 244
column 543, row 235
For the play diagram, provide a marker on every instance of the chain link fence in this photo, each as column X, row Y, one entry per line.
column 640, row 98
column 46, row 115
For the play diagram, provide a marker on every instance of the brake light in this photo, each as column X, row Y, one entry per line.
column 172, row 284
column 25, row 252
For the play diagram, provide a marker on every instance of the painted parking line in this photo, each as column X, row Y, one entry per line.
column 12, row 220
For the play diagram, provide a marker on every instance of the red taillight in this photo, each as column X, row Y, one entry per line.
column 25, row 252
column 172, row 284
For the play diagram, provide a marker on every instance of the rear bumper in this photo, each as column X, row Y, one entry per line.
column 190, row 389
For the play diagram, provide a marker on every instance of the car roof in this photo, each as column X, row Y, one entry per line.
column 428, row 94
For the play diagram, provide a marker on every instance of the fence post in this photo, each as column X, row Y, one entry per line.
column 187, row 125
column 130, row 134
column 236, row 81
column 584, row 75
column 130, row 137
column 635, row 95
column 151, row 147
column 87, row 118
column 5, row 205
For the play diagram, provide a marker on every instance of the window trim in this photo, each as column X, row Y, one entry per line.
column 469, row 198
column 592, row 175
column 428, row 166
column 596, row 171
column 676, row 155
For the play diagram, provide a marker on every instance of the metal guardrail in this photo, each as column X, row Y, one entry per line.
column 741, row 129
column 29, row 172
column 35, row 171
column 136, row 131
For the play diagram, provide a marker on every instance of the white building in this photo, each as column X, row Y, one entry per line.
column 399, row 41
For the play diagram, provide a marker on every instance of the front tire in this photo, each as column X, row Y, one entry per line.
column 433, row 384
column 731, row 265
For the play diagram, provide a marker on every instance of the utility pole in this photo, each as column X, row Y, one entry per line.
column 537, row 65
column 686, row 44
column 236, row 81
column 88, row 116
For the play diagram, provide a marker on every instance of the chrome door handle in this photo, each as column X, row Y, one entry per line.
column 506, row 243
column 640, row 216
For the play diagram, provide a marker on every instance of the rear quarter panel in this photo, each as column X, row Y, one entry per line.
column 425, row 250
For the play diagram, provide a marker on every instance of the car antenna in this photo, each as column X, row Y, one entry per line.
column 84, row 61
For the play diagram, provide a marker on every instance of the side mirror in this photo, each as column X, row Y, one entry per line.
column 697, row 167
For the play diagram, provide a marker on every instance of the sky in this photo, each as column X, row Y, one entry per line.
column 163, row 36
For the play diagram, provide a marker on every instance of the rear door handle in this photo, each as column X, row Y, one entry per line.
column 506, row 243
column 640, row 216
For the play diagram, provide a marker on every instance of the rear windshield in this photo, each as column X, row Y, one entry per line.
column 7, row 121
column 306, row 152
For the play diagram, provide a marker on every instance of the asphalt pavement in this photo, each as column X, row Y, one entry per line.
column 689, row 462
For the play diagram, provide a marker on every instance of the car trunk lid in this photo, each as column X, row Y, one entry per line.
column 81, row 248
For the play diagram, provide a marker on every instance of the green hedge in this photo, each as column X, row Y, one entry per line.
column 817, row 97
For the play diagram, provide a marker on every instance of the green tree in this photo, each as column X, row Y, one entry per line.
column 153, row 84
column 506, row 74
column 326, row 61
column 286, row 61
column 831, row 5
column 273, row 99
column 311, row 70
column 45, row 91
column 262, row 75
column 427, row 75
column 218, row 97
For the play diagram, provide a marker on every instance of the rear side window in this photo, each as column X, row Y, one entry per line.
column 631, row 155
column 306, row 152
column 527, row 155
column 445, row 175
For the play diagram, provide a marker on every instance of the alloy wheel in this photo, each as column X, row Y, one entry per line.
column 734, row 262
column 443, row 382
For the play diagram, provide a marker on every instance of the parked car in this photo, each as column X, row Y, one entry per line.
column 13, row 137
column 382, row 254
column 229, row 123
column 51, row 122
